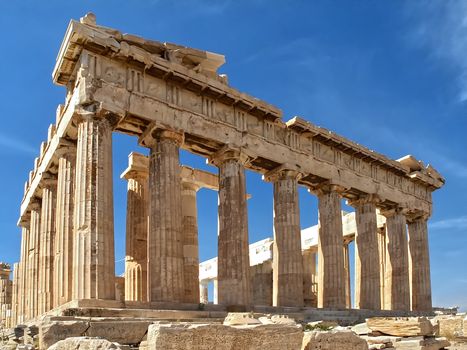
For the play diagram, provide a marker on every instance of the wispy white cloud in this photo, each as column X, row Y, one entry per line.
column 452, row 223
column 441, row 26
column 15, row 144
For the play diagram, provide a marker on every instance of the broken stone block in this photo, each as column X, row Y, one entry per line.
column 401, row 326
column 333, row 340
column 240, row 318
column 186, row 336
column 84, row 343
column 127, row 332
column 361, row 329
column 421, row 343
column 53, row 331
column 450, row 327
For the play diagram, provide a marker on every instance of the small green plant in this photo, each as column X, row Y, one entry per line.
column 318, row 327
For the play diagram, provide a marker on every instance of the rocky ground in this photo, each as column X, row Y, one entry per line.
column 246, row 331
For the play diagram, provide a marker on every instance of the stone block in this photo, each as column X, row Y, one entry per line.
column 450, row 327
column 401, row 326
column 84, row 343
column 123, row 332
column 186, row 336
column 333, row 340
column 421, row 343
column 53, row 331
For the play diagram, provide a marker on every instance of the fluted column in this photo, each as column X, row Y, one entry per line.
column 23, row 269
column 287, row 250
column 136, row 228
column 165, row 248
column 14, row 297
column 93, row 243
column 33, row 262
column 310, row 292
column 63, row 262
column 331, row 274
column 419, row 263
column 382, row 262
column 204, row 293
column 190, row 242
column 397, row 289
column 233, row 253
column 348, row 292
column 367, row 259
column 46, row 250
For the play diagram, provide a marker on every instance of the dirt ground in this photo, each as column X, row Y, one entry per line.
column 458, row 346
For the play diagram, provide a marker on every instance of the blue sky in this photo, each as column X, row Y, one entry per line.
column 391, row 75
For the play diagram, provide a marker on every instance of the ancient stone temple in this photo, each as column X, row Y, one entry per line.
column 5, row 295
column 170, row 98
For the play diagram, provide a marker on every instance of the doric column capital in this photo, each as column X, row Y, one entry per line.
column 364, row 199
column 416, row 215
column 325, row 188
column 94, row 112
column 155, row 133
column 138, row 167
column 35, row 204
column 48, row 181
column 190, row 185
column 228, row 153
column 66, row 147
column 282, row 172
column 392, row 211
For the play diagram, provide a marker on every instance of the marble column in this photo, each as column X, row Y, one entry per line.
column 348, row 292
column 136, row 228
column 33, row 262
column 165, row 247
column 287, row 248
column 382, row 262
column 63, row 261
column 310, row 291
column 22, row 291
column 190, row 242
column 419, row 263
column 93, row 217
column 215, row 291
column 367, row 259
column 204, row 293
column 233, row 252
column 331, row 273
column 14, row 297
column 397, row 288
column 46, row 250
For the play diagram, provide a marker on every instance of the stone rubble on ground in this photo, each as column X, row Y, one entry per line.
column 333, row 340
column 401, row 326
column 85, row 343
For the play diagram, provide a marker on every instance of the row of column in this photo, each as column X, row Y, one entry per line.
column 68, row 247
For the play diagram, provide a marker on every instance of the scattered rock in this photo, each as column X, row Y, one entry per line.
column 401, row 326
column 450, row 327
column 333, row 340
column 361, row 329
column 84, row 343
column 240, row 318
column 53, row 331
column 421, row 343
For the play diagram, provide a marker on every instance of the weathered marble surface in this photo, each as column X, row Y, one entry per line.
column 183, row 336
column 333, row 340
column 402, row 327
